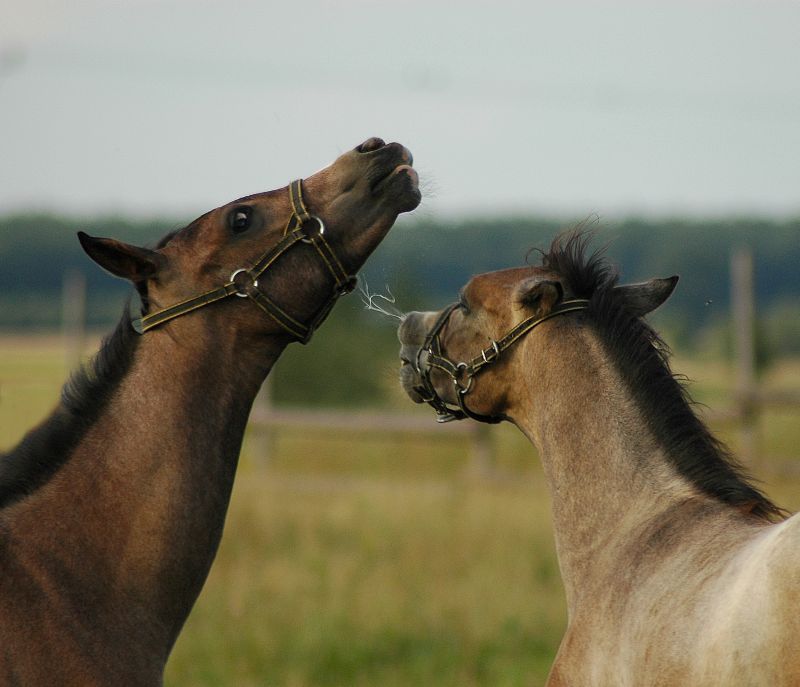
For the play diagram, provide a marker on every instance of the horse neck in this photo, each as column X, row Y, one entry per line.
column 138, row 508
column 605, row 472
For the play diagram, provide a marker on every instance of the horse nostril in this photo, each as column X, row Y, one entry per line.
column 371, row 144
column 406, row 355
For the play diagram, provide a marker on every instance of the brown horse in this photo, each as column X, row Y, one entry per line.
column 677, row 570
column 113, row 508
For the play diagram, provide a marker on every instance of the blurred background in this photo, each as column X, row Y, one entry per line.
column 365, row 544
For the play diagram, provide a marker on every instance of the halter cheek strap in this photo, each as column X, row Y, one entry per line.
column 462, row 374
column 243, row 282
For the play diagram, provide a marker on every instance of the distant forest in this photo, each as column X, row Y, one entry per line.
column 424, row 263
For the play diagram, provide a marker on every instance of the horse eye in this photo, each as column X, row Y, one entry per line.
column 240, row 219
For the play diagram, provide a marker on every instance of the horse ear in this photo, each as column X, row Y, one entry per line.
column 540, row 295
column 122, row 259
column 647, row 296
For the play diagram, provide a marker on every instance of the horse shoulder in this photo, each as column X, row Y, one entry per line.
column 752, row 630
column 723, row 611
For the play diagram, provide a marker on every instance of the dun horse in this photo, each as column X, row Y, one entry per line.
column 112, row 509
column 677, row 570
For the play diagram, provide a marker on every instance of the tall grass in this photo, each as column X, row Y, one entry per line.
column 377, row 582
column 364, row 561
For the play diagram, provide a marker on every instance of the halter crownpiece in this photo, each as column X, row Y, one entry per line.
column 243, row 282
column 462, row 374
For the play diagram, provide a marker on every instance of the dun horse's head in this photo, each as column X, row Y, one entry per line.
column 464, row 360
column 290, row 251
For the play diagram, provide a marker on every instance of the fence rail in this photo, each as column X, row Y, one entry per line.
column 266, row 421
column 748, row 402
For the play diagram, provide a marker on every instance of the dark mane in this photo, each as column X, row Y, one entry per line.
column 642, row 360
column 48, row 446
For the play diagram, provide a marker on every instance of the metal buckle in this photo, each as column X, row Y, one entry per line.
column 239, row 292
column 496, row 353
column 320, row 232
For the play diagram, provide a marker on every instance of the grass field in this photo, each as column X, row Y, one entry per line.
column 378, row 562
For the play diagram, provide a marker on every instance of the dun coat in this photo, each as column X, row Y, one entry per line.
column 677, row 570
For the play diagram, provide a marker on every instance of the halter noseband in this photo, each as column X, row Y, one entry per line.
column 462, row 374
column 243, row 282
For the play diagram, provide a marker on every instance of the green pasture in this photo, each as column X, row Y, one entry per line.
column 375, row 561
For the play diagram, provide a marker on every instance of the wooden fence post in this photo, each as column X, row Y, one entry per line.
column 482, row 456
column 73, row 317
column 262, row 435
column 743, row 306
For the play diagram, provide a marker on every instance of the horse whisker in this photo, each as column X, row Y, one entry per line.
column 380, row 303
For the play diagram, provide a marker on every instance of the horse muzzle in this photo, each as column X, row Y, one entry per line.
column 413, row 357
column 411, row 334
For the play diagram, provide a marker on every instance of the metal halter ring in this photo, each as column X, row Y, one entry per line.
column 462, row 389
column 242, row 294
column 320, row 232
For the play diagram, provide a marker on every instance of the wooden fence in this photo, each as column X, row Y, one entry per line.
column 750, row 399
column 748, row 403
column 266, row 421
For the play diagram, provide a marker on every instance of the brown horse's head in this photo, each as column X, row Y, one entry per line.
column 464, row 360
column 354, row 202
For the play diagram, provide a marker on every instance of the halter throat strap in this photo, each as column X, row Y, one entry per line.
column 243, row 282
column 462, row 374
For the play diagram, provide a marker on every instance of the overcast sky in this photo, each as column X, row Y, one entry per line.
column 156, row 106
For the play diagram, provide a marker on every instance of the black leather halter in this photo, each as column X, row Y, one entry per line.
column 462, row 374
column 303, row 227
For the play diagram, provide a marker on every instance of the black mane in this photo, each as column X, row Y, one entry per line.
column 48, row 446
column 642, row 359
column 45, row 449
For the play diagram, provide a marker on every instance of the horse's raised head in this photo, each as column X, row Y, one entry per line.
column 464, row 359
column 289, row 251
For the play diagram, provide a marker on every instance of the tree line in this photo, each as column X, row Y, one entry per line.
column 423, row 262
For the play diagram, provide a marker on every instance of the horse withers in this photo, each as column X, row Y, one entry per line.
column 677, row 569
column 111, row 510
